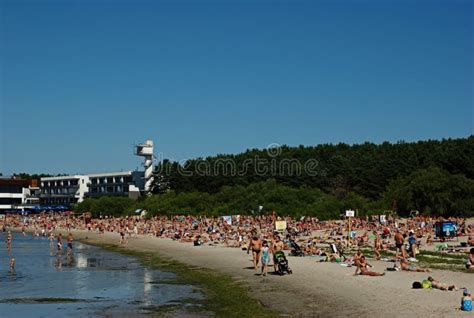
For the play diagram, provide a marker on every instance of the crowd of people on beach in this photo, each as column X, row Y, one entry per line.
column 349, row 242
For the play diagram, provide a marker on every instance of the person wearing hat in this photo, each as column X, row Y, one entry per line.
column 466, row 301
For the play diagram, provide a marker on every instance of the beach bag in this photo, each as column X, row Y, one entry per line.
column 416, row 285
column 426, row 284
column 466, row 305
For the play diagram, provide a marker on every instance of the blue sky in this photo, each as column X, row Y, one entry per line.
column 81, row 81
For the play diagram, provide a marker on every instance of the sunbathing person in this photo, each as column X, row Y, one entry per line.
column 429, row 240
column 406, row 266
column 470, row 241
column 361, row 268
column 470, row 260
column 438, row 285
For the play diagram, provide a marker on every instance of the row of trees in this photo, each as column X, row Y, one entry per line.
column 431, row 190
column 365, row 169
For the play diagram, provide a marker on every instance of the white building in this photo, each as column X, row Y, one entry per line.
column 63, row 190
column 69, row 190
column 17, row 194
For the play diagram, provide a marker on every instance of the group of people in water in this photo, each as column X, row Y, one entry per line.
column 9, row 244
column 51, row 237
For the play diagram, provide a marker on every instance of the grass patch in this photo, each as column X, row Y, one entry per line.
column 370, row 253
column 444, row 255
column 432, row 260
column 439, row 260
column 223, row 296
column 444, row 261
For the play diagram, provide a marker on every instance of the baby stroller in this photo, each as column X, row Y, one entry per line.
column 295, row 249
column 282, row 263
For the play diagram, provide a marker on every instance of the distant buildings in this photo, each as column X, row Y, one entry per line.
column 18, row 193
column 62, row 192
column 69, row 190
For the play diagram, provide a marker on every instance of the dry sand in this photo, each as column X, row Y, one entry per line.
column 315, row 289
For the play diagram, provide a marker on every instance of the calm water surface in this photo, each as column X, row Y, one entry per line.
column 92, row 283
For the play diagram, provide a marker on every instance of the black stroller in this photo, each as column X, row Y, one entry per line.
column 282, row 263
column 295, row 249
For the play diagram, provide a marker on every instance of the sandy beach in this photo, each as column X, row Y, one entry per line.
column 315, row 289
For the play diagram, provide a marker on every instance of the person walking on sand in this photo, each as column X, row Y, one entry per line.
column 277, row 246
column 377, row 245
column 256, row 246
column 399, row 239
column 265, row 257
column 122, row 235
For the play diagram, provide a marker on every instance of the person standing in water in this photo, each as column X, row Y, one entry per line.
column 69, row 243
column 9, row 240
column 51, row 240
column 60, row 243
column 12, row 265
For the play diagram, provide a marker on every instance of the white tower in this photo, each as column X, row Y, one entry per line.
column 146, row 150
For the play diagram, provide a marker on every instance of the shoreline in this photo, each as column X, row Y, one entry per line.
column 315, row 289
column 223, row 295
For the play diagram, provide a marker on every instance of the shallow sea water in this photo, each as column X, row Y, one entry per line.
column 91, row 283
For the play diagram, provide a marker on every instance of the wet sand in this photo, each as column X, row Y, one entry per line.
column 315, row 289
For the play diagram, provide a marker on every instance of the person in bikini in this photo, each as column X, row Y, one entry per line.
column 406, row 266
column 362, row 268
column 377, row 245
column 59, row 243
column 9, row 240
column 12, row 265
column 399, row 240
column 256, row 246
column 438, row 285
column 70, row 238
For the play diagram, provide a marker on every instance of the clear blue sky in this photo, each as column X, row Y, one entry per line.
column 81, row 81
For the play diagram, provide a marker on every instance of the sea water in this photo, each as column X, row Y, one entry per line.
column 90, row 283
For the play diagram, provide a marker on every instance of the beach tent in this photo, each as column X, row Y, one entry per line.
column 446, row 229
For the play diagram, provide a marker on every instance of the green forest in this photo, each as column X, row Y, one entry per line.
column 432, row 177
